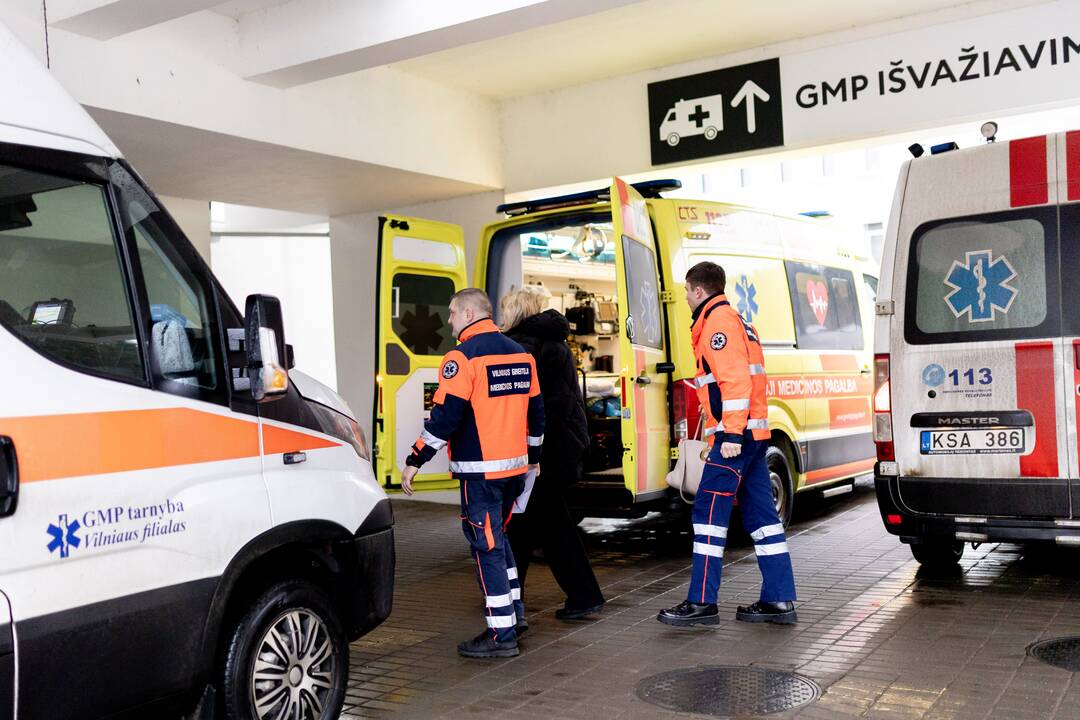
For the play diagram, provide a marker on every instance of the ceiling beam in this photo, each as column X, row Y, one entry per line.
column 308, row 40
column 106, row 19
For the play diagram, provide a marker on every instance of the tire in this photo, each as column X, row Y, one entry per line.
column 711, row 133
column 783, row 489
column 265, row 634
column 673, row 139
column 938, row 553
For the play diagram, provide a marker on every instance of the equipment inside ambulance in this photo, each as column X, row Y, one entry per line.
column 185, row 525
column 614, row 260
column 977, row 361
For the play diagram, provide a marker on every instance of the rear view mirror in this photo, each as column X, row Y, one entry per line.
column 264, row 342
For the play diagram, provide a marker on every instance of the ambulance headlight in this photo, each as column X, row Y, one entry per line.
column 341, row 427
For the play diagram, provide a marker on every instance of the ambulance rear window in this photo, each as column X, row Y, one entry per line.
column 988, row 277
column 826, row 307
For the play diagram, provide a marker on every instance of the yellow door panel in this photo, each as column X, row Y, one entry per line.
column 646, row 432
column 422, row 264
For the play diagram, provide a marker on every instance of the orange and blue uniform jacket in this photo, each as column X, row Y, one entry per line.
column 488, row 408
column 730, row 379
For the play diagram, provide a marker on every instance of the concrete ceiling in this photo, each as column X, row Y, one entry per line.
column 226, row 168
column 237, row 8
column 646, row 35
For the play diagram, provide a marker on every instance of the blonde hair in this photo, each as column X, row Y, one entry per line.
column 522, row 303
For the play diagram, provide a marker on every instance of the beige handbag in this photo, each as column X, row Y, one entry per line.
column 686, row 476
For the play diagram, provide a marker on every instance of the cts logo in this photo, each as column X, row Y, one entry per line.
column 64, row 536
column 718, row 341
column 933, row 375
column 450, row 369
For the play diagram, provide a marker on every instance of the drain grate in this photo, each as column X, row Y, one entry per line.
column 723, row 691
column 1059, row 652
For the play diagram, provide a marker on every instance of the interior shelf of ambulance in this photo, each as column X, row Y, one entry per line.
column 573, row 257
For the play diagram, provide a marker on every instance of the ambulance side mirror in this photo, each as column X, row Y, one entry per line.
column 264, row 344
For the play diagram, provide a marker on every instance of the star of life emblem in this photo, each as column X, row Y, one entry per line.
column 980, row 286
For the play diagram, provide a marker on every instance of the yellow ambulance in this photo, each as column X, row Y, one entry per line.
column 614, row 261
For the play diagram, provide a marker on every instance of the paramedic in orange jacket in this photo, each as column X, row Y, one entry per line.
column 488, row 410
column 731, row 386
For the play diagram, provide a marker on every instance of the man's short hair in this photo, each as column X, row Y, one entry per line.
column 475, row 298
column 707, row 275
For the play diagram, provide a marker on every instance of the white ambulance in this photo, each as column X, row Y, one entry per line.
column 698, row 116
column 181, row 527
column 977, row 348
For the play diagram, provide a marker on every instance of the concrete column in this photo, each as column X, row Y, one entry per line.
column 354, row 254
column 193, row 217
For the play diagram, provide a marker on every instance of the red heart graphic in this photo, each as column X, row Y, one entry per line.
column 818, row 296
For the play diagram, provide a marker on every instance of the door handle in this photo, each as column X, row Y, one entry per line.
column 9, row 477
column 294, row 458
column 643, row 380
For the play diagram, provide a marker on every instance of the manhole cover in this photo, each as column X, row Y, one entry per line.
column 726, row 691
column 1059, row 652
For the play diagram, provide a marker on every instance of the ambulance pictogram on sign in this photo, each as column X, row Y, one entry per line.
column 718, row 112
column 980, row 286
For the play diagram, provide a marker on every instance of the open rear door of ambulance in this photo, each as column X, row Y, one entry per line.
column 646, row 431
column 421, row 266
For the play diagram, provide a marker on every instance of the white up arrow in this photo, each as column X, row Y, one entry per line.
column 748, row 93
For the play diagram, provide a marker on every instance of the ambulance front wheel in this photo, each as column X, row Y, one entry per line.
column 780, row 482
column 287, row 657
column 938, row 553
column 673, row 139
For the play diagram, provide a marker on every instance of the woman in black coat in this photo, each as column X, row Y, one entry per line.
column 546, row 522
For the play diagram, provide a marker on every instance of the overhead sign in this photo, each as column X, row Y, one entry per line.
column 971, row 69
column 716, row 113
column 1026, row 58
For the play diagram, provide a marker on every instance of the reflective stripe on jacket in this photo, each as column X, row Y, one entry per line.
column 488, row 408
column 730, row 376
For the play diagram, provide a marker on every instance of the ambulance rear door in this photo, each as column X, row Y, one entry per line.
column 976, row 351
column 1068, row 186
column 421, row 266
column 646, row 431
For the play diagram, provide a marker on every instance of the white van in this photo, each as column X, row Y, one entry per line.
column 698, row 116
column 181, row 526
column 977, row 348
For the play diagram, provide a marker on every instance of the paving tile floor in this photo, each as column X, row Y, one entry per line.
column 881, row 637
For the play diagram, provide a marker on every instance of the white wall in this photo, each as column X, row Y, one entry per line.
column 193, row 217
column 354, row 248
column 297, row 271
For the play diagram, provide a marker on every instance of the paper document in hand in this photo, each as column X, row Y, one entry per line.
column 523, row 499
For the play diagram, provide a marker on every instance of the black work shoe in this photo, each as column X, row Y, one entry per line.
column 687, row 613
column 566, row 613
column 781, row 613
column 484, row 646
column 522, row 626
